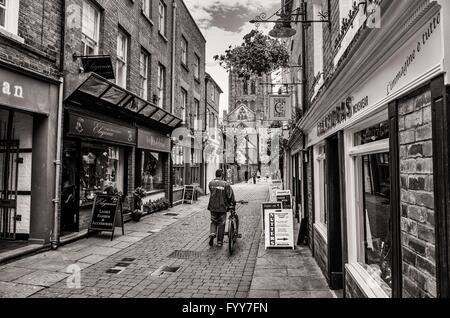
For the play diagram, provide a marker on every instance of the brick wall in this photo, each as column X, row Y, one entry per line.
column 417, row 198
column 39, row 27
column 321, row 253
column 310, row 198
column 352, row 289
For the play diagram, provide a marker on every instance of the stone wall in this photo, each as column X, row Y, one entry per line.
column 321, row 253
column 417, row 198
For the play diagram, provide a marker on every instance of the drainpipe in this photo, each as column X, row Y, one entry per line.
column 58, row 163
column 174, row 34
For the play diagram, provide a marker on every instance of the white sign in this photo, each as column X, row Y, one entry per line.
column 279, row 229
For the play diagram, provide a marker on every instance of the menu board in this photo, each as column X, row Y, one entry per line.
column 284, row 196
column 188, row 194
column 104, row 214
column 269, row 206
column 279, row 229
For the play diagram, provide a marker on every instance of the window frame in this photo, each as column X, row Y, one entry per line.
column 11, row 16
column 184, row 51
column 143, row 76
column 122, row 59
column 197, row 62
column 161, row 85
column 86, row 39
column 320, row 190
column 184, row 103
column 147, row 8
column 162, row 18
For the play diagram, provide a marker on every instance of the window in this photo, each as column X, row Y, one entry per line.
column 102, row 168
column 162, row 18
column 212, row 92
column 245, row 88
column 9, row 15
column 122, row 56
column 207, row 119
column 178, row 162
column 90, row 28
column 147, row 8
column 373, row 185
column 152, row 171
column 318, row 47
column 322, row 186
column 253, row 88
column 196, row 114
column 183, row 104
column 184, row 50
column 143, row 75
column 161, row 86
column 197, row 67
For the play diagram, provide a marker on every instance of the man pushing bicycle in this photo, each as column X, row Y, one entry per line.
column 220, row 202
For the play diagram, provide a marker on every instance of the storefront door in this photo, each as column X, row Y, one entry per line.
column 70, row 188
column 335, row 264
column 9, row 167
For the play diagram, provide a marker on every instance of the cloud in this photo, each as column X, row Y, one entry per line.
column 224, row 23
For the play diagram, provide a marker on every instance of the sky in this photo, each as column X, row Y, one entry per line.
column 224, row 23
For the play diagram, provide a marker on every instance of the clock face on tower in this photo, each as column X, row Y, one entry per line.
column 280, row 109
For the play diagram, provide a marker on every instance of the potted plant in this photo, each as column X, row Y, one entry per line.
column 139, row 194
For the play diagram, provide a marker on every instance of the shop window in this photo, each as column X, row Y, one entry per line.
column 321, row 186
column 102, row 169
column 152, row 171
column 122, row 59
column 90, row 28
column 178, row 163
column 373, row 186
column 9, row 15
column 143, row 75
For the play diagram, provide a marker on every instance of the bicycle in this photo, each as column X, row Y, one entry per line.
column 233, row 228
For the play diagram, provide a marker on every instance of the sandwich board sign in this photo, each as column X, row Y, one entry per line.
column 188, row 194
column 269, row 206
column 105, row 214
column 279, row 229
column 285, row 197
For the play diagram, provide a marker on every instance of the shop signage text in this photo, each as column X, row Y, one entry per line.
column 92, row 128
column 153, row 141
column 421, row 43
column 346, row 110
column 12, row 90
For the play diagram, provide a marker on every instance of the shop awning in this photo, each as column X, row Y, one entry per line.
column 97, row 92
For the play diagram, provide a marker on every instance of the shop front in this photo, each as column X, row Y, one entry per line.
column 152, row 165
column 371, row 159
column 114, row 143
column 28, row 125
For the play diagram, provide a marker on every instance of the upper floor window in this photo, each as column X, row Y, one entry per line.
column 245, row 88
column 9, row 15
column 161, row 85
column 143, row 75
column 122, row 59
column 318, row 47
column 147, row 7
column 197, row 67
column 90, row 28
column 207, row 119
column 162, row 18
column 212, row 93
column 196, row 114
column 253, row 87
column 183, row 104
column 184, row 50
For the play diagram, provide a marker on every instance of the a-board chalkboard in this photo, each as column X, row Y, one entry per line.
column 105, row 211
column 188, row 194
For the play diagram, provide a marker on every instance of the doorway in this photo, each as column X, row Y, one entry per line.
column 70, row 188
column 335, row 263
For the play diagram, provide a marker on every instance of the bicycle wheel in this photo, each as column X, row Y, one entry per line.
column 231, row 234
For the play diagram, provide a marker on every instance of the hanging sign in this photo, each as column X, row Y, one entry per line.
column 104, row 214
column 279, row 229
column 280, row 108
column 101, row 65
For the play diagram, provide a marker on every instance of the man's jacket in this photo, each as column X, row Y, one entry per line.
column 222, row 196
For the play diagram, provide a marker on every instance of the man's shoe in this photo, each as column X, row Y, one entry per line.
column 211, row 241
column 219, row 244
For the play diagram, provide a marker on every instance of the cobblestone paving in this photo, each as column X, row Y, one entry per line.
column 203, row 271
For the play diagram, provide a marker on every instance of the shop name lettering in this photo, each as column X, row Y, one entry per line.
column 433, row 25
column 340, row 114
column 102, row 131
column 14, row 90
column 156, row 141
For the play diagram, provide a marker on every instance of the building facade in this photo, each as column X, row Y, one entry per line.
column 212, row 156
column 189, row 100
column 31, row 83
column 120, row 106
column 374, row 138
